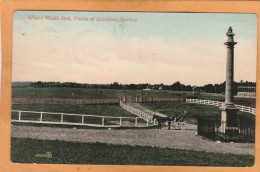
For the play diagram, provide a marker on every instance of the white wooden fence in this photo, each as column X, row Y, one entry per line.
column 148, row 118
column 217, row 103
column 38, row 117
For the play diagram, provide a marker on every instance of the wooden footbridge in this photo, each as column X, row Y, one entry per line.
column 140, row 111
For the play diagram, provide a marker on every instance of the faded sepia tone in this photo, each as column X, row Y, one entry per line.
column 133, row 88
column 157, row 48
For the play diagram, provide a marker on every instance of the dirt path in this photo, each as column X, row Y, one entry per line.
column 180, row 139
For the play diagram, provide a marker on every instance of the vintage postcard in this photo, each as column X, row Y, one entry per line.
column 134, row 88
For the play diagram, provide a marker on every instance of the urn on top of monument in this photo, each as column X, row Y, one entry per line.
column 230, row 35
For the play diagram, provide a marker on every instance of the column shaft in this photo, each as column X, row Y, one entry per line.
column 229, row 75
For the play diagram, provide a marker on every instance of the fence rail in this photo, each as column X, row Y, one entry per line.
column 217, row 103
column 148, row 118
column 140, row 99
column 73, row 119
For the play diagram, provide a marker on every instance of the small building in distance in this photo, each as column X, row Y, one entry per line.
column 245, row 91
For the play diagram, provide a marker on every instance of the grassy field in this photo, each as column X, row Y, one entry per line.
column 113, row 110
column 84, row 93
column 63, row 152
column 194, row 110
column 99, row 109
column 87, row 93
column 167, row 108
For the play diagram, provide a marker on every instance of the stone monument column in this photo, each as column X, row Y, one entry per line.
column 228, row 109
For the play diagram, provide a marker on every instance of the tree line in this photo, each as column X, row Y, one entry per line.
column 177, row 86
column 220, row 88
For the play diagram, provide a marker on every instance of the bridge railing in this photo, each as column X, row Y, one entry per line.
column 148, row 118
column 217, row 103
column 72, row 119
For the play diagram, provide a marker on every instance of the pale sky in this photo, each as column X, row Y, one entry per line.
column 157, row 48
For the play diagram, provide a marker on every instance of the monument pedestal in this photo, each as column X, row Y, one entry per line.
column 229, row 123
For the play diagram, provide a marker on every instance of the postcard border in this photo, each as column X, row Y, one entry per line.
column 8, row 7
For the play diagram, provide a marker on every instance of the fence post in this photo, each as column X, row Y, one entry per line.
column 82, row 119
column 120, row 121
column 20, row 113
column 136, row 121
column 41, row 117
column 147, row 123
column 61, row 120
column 103, row 120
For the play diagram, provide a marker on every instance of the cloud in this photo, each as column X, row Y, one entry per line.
column 96, row 56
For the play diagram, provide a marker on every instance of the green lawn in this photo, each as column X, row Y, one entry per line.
column 167, row 108
column 87, row 93
column 194, row 110
column 63, row 152
column 99, row 109
column 113, row 110
column 84, row 93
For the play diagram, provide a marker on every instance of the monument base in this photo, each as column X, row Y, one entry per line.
column 229, row 123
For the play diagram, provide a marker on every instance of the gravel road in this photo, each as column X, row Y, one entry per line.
column 180, row 139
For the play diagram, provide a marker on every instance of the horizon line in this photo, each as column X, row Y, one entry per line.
column 135, row 83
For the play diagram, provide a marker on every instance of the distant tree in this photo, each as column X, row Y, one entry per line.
column 188, row 88
column 209, row 88
column 115, row 85
column 176, row 86
column 132, row 87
